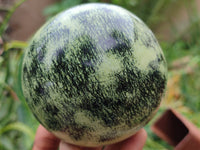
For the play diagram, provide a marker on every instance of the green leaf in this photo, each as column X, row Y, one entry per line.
column 6, row 143
column 18, row 86
column 19, row 127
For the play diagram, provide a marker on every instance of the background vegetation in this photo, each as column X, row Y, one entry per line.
column 18, row 126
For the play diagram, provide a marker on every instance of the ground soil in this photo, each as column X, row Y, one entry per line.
column 26, row 19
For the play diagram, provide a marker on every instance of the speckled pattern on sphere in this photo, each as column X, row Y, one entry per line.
column 94, row 74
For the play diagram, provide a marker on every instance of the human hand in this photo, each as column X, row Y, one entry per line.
column 45, row 140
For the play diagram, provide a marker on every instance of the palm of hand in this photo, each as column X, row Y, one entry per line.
column 44, row 140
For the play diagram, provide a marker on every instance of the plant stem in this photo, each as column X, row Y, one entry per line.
column 8, row 16
column 15, row 44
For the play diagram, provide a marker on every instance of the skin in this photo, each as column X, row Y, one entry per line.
column 45, row 140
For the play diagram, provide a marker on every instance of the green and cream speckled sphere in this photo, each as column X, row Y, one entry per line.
column 94, row 74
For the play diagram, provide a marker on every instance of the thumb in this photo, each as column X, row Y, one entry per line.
column 45, row 140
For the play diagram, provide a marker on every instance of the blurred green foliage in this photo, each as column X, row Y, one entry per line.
column 17, row 124
column 17, row 128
